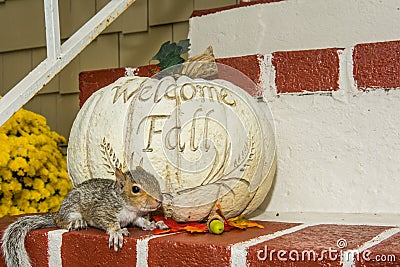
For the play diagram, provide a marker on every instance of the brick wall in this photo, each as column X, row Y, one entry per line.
column 374, row 66
column 277, row 244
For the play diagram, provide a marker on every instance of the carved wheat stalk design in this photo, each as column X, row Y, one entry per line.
column 111, row 160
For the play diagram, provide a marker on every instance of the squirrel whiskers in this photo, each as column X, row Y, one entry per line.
column 100, row 203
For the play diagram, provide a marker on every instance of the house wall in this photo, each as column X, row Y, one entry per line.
column 131, row 41
column 331, row 79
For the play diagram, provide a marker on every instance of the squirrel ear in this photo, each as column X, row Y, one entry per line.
column 141, row 163
column 139, row 168
column 120, row 177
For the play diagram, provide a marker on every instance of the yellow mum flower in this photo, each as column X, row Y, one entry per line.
column 6, row 201
column 49, row 187
column 4, row 210
column 23, row 204
column 38, row 183
column 15, row 185
column 13, row 166
column 30, row 209
column 34, row 204
column 3, row 137
column 5, row 174
column 30, row 170
column 33, row 171
column 15, row 211
column 26, row 194
column 44, row 192
column 28, row 182
column 4, row 158
column 53, row 202
column 43, row 207
column 35, row 195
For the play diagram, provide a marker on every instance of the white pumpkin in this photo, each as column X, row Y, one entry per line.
column 207, row 142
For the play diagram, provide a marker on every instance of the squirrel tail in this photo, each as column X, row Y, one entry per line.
column 13, row 241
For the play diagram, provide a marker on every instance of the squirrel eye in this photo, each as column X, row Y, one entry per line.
column 135, row 189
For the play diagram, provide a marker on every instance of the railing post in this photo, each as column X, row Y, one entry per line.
column 58, row 56
column 53, row 42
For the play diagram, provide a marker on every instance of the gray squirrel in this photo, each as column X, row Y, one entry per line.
column 101, row 203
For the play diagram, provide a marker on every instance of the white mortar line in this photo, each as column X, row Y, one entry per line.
column 54, row 247
column 340, row 223
column 343, row 69
column 267, row 76
column 343, row 94
column 239, row 250
column 349, row 256
column 142, row 249
column 351, row 82
column 389, row 220
column 130, row 71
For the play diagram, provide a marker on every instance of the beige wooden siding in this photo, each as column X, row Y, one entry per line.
column 74, row 14
column 138, row 48
column 67, row 108
column 134, row 19
column 22, row 25
column 132, row 40
column 2, row 87
column 169, row 11
column 180, row 31
column 206, row 4
column 15, row 66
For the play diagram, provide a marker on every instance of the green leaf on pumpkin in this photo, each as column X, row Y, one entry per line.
column 170, row 53
column 185, row 44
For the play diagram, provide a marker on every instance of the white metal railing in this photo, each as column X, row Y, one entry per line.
column 58, row 56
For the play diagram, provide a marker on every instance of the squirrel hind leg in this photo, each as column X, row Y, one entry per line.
column 73, row 221
column 77, row 224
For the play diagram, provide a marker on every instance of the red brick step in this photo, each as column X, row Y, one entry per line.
column 278, row 244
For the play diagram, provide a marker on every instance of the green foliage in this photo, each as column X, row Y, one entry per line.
column 170, row 53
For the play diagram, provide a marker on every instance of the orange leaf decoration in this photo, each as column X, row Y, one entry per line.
column 196, row 227
column 159, row 231
column 237, row 222
column 201, row 228
column 242, row 223
column 174, row 227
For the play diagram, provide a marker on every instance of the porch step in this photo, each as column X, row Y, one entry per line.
column 278, row 244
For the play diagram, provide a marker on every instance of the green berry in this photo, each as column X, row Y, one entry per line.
column 216, row 227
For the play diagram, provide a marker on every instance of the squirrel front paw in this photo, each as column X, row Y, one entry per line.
column 161, row 225
column 150, row 226
column 116, row 238
column 145, row 224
